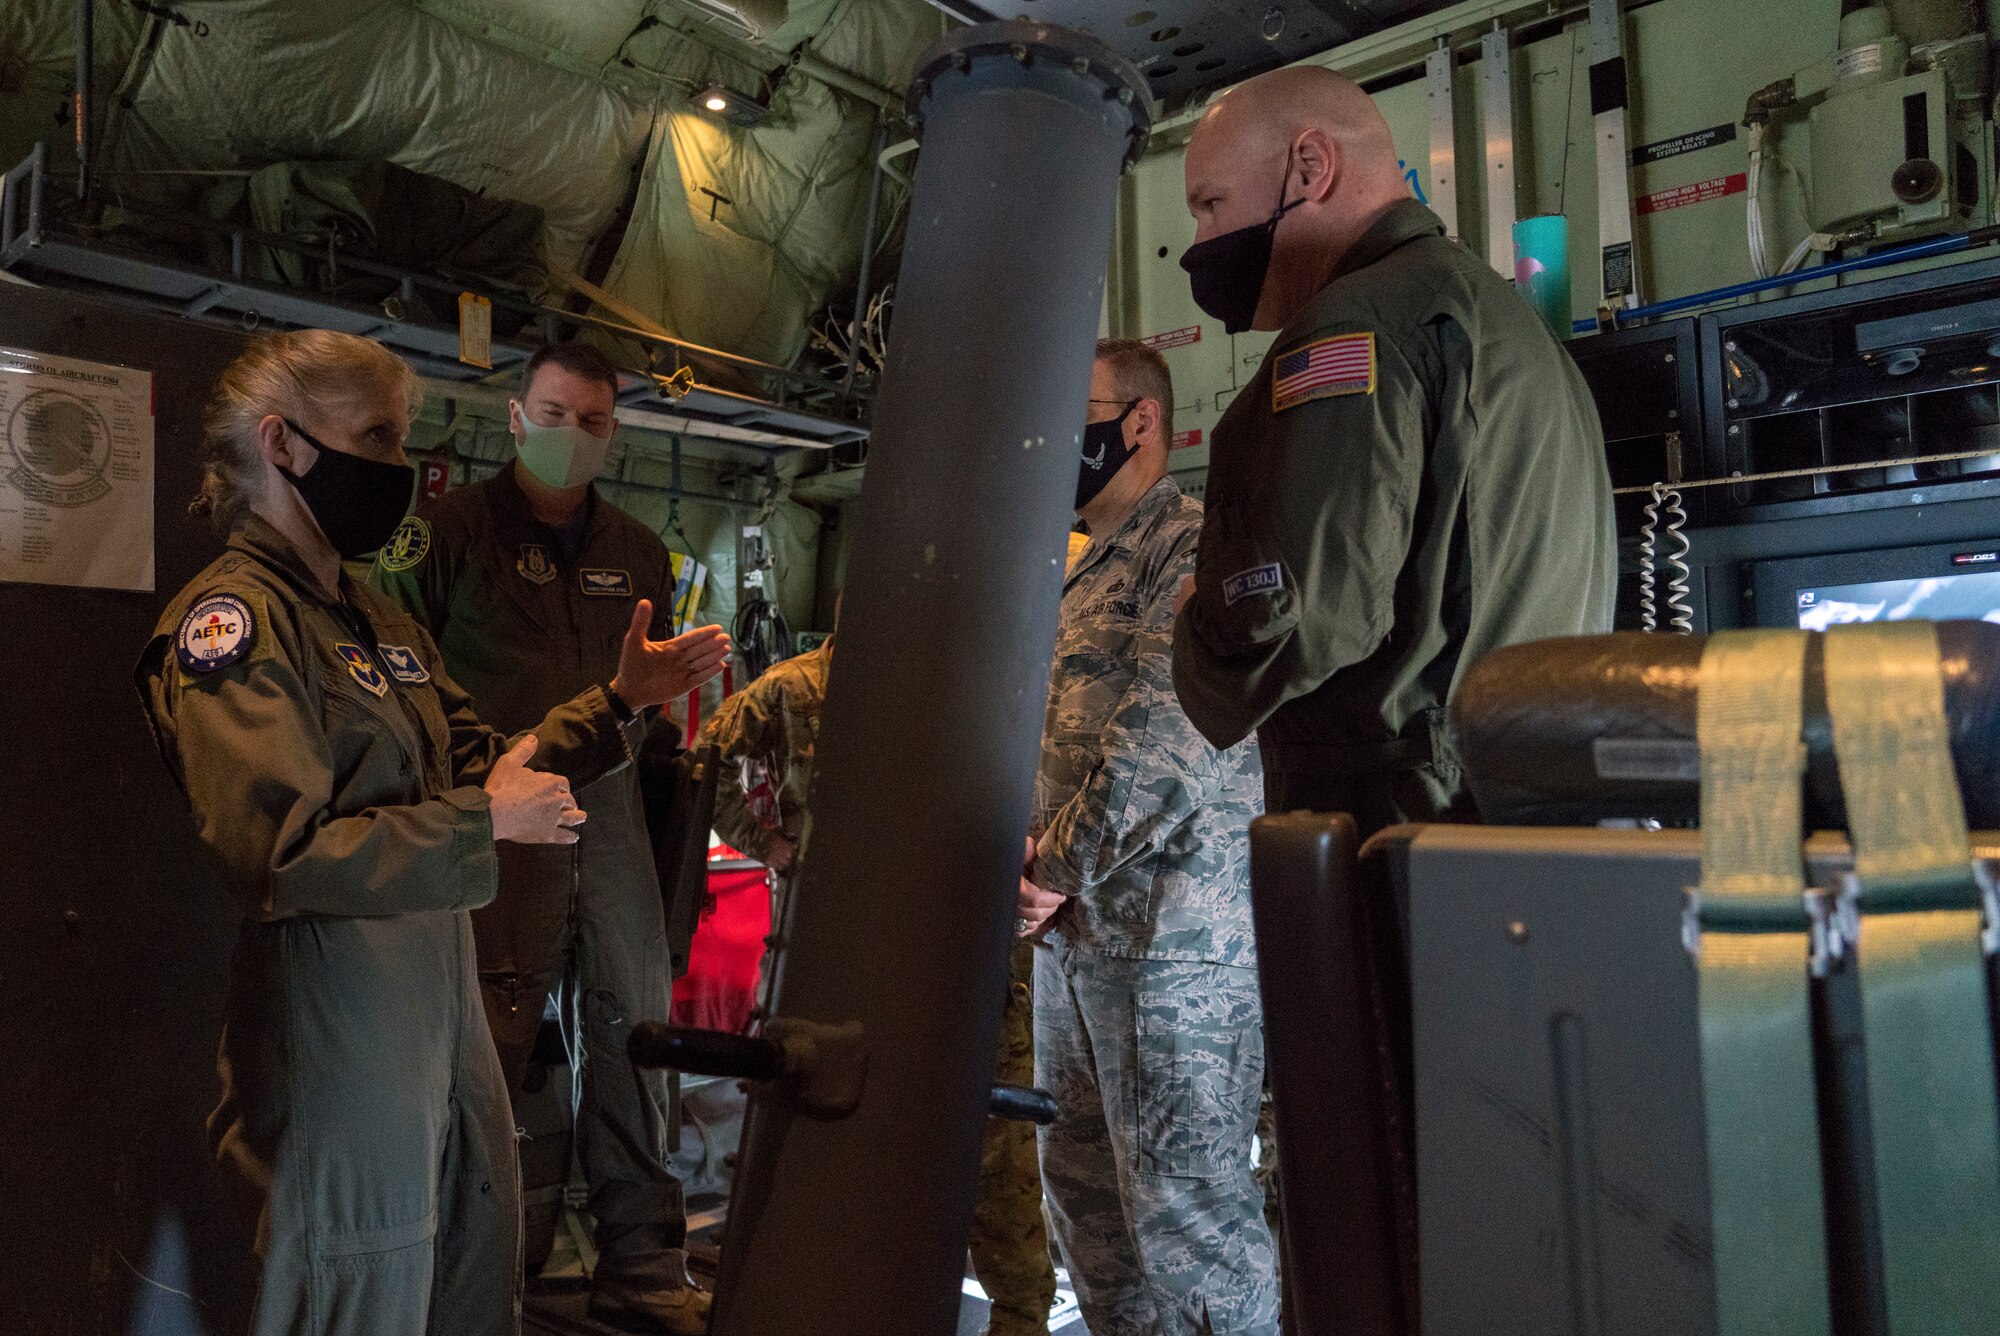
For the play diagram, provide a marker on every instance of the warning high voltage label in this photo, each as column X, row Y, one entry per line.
column 1698, row 192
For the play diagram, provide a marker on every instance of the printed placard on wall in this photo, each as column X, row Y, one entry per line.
column 1698, row 192
column 1173, row 338
column 76, row 472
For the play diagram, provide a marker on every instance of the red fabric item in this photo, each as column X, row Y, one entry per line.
column 720, row 986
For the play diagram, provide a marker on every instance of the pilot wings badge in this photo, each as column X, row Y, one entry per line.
column 601, row 583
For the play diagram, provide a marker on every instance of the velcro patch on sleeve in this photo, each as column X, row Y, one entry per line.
column 1265, row 579
column 1323, row 369
column 217, row 631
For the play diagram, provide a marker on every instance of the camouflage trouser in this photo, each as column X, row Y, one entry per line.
column 1010, row 1242
column 1158, row 1067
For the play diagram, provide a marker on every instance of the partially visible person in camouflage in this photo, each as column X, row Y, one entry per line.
column 770, row 730
column 1010, row 1240
column 1148, row 1030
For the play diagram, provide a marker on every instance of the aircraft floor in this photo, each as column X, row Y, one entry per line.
column 555, row 1300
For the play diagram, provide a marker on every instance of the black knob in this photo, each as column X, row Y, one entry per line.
column 1023, row 1104
column 704, row 1052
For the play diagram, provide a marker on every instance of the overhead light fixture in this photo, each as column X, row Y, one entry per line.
column 739, row 108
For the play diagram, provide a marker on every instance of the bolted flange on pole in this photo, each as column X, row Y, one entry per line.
column 900, row 919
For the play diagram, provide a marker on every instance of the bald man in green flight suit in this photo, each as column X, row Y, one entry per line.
column 1415, row 475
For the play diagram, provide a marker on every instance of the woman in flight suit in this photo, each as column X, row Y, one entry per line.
column 354, row 800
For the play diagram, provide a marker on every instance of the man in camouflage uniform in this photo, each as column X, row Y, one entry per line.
column 1148, row 1029
column 770, row 730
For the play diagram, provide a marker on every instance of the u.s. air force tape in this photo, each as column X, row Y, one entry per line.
column 217, row 632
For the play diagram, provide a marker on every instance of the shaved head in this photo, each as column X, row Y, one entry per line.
column 1268, row 112
column 1306, row 136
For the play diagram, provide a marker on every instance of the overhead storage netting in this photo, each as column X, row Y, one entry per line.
column 746, row 274
column 551, row 105
column 389, row 81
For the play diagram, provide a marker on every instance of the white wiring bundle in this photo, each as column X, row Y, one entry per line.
column 1680, row 610
column 1760, row 255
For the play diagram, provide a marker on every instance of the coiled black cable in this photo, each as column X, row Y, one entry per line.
column 761, row 635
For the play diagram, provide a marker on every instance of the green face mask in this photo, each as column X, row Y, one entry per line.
column 562, row 457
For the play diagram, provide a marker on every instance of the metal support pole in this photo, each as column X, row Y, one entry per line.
column 867, row 255
column 1438, row 68
column 1618, row 266
column 1496, row 88
column 901, row 918
column 86, row 64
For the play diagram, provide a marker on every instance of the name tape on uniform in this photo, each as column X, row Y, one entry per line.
column 364, row 669
column 403, row 664
column 1323, row 369
column 1266, row 579
column 601, row 583
column 217, row 632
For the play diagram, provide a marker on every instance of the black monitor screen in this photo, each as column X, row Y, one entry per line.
column 1974, row 596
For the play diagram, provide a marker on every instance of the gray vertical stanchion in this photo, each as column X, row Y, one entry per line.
column 854, row 1217
column 1439, row 67
column 1496, row 100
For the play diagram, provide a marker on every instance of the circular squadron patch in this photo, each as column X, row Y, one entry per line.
column 410, row 544
column 217, row 632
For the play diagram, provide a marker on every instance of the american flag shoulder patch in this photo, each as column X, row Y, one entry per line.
column 1322, row 369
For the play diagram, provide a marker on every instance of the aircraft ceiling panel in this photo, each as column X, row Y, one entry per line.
column 1191, row 46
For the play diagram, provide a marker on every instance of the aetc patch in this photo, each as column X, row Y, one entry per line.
column 403, row 664
column 217, row 632
column 364, row 669
column 410, row 544
column 605, row 583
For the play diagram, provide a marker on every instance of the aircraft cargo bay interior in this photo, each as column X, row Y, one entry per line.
column 1000, row 667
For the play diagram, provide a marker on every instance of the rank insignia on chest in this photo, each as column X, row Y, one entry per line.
column 605, row 583
column 1323, row 369
column 364, row 669
column 535, row 565
column 403, row 664
column 217, row 632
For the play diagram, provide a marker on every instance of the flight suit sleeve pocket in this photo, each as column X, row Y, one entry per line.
column 1246, row 594
column 1189, row 1102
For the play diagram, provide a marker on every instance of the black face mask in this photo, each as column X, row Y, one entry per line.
column 1226, row 273
column 1104, row 453
column 358, row 502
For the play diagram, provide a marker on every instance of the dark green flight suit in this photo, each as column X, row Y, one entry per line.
column 522, row 625
column 1415, row 477
column 335, row 769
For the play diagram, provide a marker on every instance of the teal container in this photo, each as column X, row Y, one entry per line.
column 1541, row 269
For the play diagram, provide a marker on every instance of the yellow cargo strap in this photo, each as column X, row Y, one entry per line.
column 1913, row 907
column 1751, row 933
